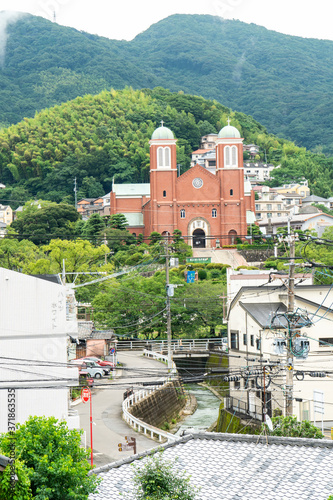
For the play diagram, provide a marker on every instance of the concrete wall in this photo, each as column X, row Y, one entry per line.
column 162, row 405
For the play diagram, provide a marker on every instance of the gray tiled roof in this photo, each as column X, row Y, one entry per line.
column 267, row 315
column 232, row 466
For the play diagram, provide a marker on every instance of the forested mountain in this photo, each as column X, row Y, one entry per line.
column 284, row 82
column 97, row 138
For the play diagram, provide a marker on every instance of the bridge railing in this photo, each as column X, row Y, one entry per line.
column 139, row 425
column 176, row 344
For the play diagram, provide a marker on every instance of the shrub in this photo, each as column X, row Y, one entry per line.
column 215, row 274
column 158, row 480
column 202, row 274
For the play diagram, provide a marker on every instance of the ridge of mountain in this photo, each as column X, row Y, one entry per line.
column 281, row 80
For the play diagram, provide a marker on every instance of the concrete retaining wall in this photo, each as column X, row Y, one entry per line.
column 162, row 405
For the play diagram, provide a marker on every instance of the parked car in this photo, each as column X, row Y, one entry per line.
column 106, row 365
column 92, row 368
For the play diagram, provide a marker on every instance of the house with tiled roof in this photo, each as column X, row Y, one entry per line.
column 234, row 466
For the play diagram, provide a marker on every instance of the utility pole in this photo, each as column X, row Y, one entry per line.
column 168, row 311
column 290, row 333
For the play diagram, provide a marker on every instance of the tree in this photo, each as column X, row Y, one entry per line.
column 93, row 228
column 118, row 238
column 42, row 224
column 79, row 255
column 159, row 480
column 290, row 427
column 22, row 488
column 118, row 221
column 52, row 458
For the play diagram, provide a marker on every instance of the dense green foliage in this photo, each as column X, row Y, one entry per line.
column 159, row 479
column 42, row 223
column 53, row 460
column 309, row 251
column 98, row 138
column 290, row 427
column 283, row 81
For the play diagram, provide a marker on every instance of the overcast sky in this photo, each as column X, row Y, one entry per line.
column 125, row 19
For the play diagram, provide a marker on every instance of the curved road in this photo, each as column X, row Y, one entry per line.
column 109, row 428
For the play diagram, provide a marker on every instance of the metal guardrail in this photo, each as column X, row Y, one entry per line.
column 176, row 344
column 139, row 425
column 237, row 405
column 159, row 357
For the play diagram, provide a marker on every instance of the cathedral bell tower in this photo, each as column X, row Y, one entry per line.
column 163, row 176
column 230, row 171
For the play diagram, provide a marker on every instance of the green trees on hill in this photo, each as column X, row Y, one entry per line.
column 106, row 136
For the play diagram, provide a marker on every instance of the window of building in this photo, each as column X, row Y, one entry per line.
column 253, row 384
column 269, row 215
column 252, row 340
column 258, row 215
column 258, row 344
column 257, row 206
column 279, row 214
column 244, row 339
column 234, row 340
column 279, row 206
column 326, row 342
column 269, row 206
column 237, row 384
column 214, row 213
column 230, row 156
column 167, row 162
column 163, row 157
column 231, row 192
column 182, row 214
column 234, row 156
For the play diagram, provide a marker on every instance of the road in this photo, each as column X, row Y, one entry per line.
column 109, row 429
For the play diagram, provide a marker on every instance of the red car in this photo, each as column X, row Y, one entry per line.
column 106, row 365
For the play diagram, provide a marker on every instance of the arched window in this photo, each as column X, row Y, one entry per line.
column 231, row 192
column 160, row 158
column 182, row 213
column 163, row 157
column 164, row 194
column 234, row 162
column 230, row 156
column 167, row 161
column 227, row 156
column 214, row 213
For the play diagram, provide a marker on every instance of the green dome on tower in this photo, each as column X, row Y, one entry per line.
column 229, row 132
column 162, row 133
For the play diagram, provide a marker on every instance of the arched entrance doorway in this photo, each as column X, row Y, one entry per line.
column 232, row 237
column 199, row 238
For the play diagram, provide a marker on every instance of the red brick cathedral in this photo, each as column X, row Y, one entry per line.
column 208, row 208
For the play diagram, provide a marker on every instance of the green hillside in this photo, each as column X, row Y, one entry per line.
column 96, row 138
column 282, row 81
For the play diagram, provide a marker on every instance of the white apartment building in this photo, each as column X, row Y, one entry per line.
column 34, row 325
column 256, row 327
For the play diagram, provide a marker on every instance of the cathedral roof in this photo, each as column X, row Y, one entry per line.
column 229, row 132
column 162, row 133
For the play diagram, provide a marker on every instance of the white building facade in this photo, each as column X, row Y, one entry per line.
column 256, row 329
column 33, row 343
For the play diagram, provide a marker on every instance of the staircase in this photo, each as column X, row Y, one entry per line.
column 220, row 256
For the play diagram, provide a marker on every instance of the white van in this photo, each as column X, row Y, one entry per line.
column 93, row 369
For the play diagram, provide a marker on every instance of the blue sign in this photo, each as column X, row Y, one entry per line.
column 190, row 277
